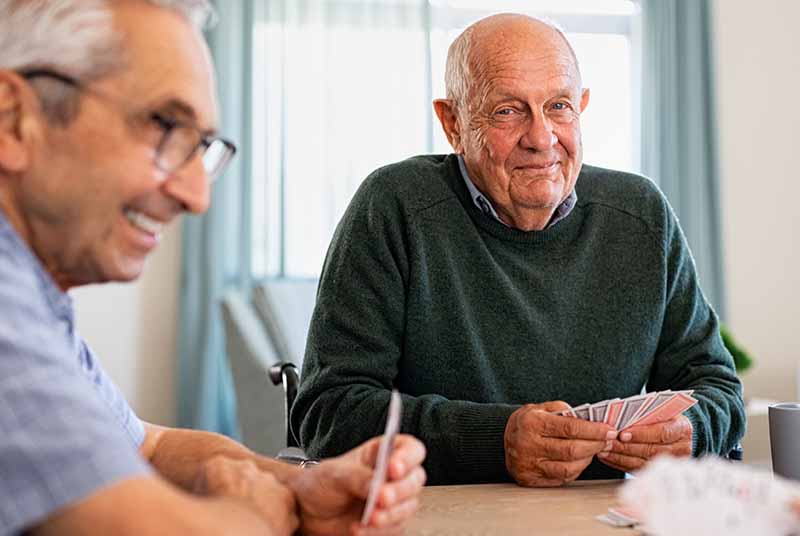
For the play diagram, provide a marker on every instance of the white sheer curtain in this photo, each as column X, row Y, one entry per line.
column 342, row 87
column 344, row 92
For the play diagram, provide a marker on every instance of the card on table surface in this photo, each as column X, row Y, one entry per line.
column 618, row 516
column 384, row 451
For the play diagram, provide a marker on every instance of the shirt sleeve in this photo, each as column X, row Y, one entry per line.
column 111, row 394
column 64, row 434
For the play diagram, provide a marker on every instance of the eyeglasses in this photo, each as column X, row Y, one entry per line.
column 180, row 141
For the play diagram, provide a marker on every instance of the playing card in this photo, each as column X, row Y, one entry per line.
column 629, row 409
column 582, row 411
column 668, row 410
column 657, row 401
column 650, row 399
column 597, row 412
column 614, row 409
column 384, row 450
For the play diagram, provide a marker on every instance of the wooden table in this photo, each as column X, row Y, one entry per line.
column 509, row 509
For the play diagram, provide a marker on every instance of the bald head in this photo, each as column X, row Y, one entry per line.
column 474, row 50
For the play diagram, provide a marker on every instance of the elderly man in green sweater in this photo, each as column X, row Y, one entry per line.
column 495, row 285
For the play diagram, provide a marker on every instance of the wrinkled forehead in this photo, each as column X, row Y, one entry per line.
column 524, row 55
column 167, row 61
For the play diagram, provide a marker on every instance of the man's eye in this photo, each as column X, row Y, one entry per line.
column 164, row 123
column 505, row 111
column 560, row 106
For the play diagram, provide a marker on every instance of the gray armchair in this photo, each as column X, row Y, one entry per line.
column 285, row 307
column 260, row 407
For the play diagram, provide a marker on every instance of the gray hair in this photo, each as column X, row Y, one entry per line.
column 74, row 37
column 458, row 69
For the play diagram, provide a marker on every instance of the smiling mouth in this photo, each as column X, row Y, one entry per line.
column 545, row 170
column 541, row 167
column 144, row 223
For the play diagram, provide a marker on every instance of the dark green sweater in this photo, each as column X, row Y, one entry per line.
column 470, row 319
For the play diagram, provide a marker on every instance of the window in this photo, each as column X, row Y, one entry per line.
column 342, row 87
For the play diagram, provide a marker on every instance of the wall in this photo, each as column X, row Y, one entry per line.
column 758, row 74
column 133, row 329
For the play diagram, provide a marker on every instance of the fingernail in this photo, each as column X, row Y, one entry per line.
column 608, row 446
column 603, row 455
column 388, row 495
column 626, row 436
column 612, row 434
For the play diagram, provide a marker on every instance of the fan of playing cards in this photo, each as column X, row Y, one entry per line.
column 639, row 410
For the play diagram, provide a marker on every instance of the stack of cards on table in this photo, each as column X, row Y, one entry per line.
column 638, row 410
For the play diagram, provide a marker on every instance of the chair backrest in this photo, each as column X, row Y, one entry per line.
column 285, row 307
column 259, row 405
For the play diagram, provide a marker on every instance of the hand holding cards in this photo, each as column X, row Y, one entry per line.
column 384, row 451
column 638, row 410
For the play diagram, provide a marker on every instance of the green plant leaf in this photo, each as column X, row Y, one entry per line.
column 741, row 359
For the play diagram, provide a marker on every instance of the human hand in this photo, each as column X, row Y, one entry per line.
column 243, row 480
column 332, row 495
column 544, row 449
column 638, row 444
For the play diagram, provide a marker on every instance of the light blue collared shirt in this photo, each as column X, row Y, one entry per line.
column 65, row 429
column 485, row 206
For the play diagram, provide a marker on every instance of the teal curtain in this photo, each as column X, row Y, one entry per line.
column 679, row 145
column 216, row 252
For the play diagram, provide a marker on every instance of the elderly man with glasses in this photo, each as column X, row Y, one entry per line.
column 107, row 134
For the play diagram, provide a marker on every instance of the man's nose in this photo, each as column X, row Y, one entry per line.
column 190, row 186
column 539, row 135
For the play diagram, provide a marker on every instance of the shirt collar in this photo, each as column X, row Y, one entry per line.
column 486, row 207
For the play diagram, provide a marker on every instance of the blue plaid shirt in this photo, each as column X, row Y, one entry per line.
column 65, row 429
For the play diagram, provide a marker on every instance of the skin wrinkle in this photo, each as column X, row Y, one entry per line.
column 517, row 126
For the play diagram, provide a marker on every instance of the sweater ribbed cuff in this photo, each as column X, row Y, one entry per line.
column 481, row 456
column 697, row 428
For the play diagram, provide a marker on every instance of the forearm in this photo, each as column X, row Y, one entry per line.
column 718, row 420
column 179, row 455
column 464, row 439
column 692, row 355
column 152, row 506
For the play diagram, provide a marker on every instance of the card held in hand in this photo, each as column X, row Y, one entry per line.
column 384, row 451
column 636, row 410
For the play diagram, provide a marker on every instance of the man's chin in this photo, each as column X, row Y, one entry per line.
column 123, row 271
column 541, row 195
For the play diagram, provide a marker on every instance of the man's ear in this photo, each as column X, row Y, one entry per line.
column 17, row 122
column 448, row 117
column 584, row 99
